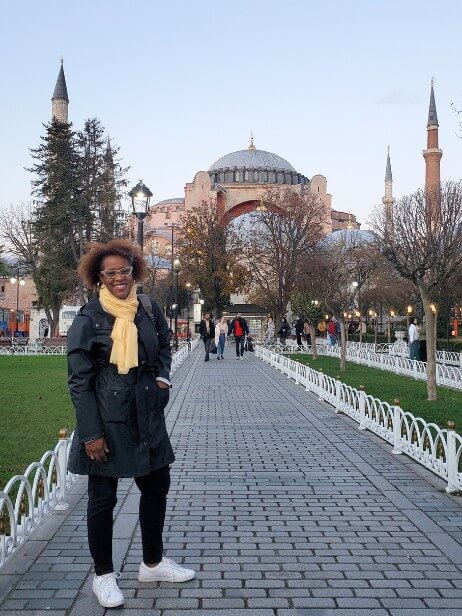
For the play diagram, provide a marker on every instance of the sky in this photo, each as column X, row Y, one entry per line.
column 327, row 85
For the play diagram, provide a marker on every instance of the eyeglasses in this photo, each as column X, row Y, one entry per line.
column 125, row 272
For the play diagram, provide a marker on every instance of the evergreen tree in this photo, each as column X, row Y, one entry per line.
column 102, row 181
column 58, row 219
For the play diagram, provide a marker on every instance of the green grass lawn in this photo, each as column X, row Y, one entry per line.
column 34, row 405
column 387, row 386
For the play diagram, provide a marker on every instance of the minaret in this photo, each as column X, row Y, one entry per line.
column 388, row 199
column 432, row 154
column 60, row 100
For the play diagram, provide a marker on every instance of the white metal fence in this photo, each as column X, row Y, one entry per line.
column 437, row 449
column 27, row 499
column 446, row 375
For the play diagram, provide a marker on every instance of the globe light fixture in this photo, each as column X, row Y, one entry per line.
column 140, row 196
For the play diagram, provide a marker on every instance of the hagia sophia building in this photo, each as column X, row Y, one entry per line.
column 238, row 181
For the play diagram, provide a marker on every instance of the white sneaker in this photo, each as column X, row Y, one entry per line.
column 107, row 590
column 166, row 571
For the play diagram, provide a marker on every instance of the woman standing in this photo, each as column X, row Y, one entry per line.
column 221, row 331
column 269, row 334
column 119, row 379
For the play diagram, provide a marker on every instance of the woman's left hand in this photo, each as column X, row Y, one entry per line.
column 162, row 385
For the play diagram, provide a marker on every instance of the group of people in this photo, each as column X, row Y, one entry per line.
column 215, row 336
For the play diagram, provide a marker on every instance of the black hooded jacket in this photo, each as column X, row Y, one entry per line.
column 126, row 409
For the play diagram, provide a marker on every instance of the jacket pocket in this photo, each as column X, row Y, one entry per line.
column 158, row 400
column 115, row 403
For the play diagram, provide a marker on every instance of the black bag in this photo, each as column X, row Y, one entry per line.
column 213, row 347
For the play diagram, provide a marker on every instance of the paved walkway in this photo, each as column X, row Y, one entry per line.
column 284, row 509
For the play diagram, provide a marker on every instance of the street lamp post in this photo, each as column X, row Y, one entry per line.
column 19, row 282
column 176, row 269
column 408, row 317
column 140, row 196
column 188, row 297
column 172, row 226
column 390, row 316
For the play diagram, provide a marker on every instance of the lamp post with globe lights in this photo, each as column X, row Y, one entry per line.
column 140, row 196
column 19, row 282
column 176, row 269
column 188, row 297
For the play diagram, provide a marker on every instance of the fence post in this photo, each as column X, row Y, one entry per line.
column 396, row 427
column 338, row 394
column 62, row 461
column 362, row 408
column 451, row 459
column 297, row 369
column 320, row 398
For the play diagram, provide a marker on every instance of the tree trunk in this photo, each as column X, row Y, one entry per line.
column 313, row 341
column 343, row 345
column 53, row 321
column 430, row 330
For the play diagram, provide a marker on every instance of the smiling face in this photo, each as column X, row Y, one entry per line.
column 121, row 285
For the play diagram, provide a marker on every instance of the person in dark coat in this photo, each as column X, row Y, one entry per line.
column 299, row 326
column 119, row 379
column 284, row 331
column 207, row 333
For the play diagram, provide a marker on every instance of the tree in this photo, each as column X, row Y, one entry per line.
column 211, row 255
column 57, row 219
column 277, row 242
column 308, row 309
column 424, row 246
column 102, row 180
column 4, row 269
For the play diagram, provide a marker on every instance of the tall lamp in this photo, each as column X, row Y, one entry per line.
column 140, row 196
column 20, row 282
column 188, row 297
column 172, row 226
column 176, row 269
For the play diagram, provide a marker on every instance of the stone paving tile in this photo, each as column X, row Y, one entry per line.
column 281, row 506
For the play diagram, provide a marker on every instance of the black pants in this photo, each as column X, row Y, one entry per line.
column 239, row 345
column 102, row 498
column 299, row 338
column 207, row 343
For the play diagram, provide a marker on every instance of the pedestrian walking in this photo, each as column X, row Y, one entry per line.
column 414, row 334
column 221, row 331
column 284, row 331
column 299, row 327
column 239, row 328
column 207, row 333
column 332, row 332
column 269, row 333
column 119, row 379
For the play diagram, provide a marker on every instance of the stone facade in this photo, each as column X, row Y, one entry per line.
column 238, row 181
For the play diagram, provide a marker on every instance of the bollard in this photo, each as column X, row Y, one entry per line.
column 396, row 427
column 362, row 408
column 451, row 459
column 62, row 462
column 338, row 394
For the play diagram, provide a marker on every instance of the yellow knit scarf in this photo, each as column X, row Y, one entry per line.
column 124, row 333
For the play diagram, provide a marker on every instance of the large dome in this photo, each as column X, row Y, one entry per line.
column 252, row 159
column 252, row 166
